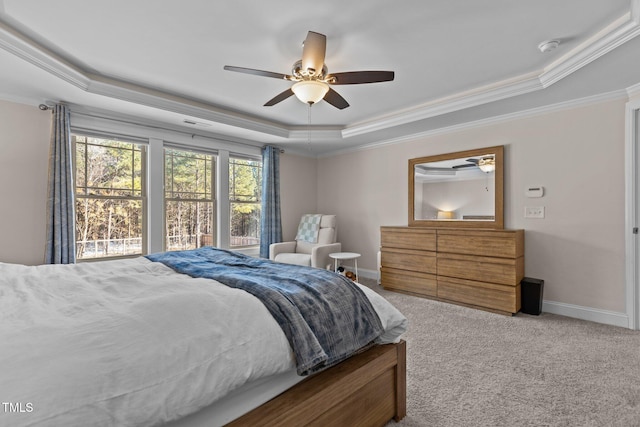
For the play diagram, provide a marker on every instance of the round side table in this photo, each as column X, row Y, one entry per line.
column 345, row 256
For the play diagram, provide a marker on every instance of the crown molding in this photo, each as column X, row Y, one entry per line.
column 633, row 91
column 322, row 133
column 532, row 112
column 472, row 98
column 613, row 35
column 17, row 44
column 112, row 88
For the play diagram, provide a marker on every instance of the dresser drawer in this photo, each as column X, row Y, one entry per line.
column 410, row 238
column 409, row 259
column 487, row 295
column 409, row 281
column 503, row 271
column 504, row 244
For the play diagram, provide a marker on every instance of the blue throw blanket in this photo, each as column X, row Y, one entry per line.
column 325, row 316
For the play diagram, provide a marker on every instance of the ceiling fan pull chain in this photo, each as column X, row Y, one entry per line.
column 309, row 128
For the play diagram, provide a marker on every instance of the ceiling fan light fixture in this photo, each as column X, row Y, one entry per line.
column 487, row 165
column 310, row 91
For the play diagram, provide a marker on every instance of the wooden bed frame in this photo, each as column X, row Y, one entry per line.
column 368, row 389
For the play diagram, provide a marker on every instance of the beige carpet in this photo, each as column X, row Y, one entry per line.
column 468, row 367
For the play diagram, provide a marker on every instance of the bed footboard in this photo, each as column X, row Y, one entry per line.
column 368, row 389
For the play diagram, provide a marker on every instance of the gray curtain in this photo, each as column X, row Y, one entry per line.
column 60, row 245
column 270, row 223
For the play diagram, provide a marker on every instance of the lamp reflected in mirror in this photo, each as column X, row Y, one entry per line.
column 446, row 215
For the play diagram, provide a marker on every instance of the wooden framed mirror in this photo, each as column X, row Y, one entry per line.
column 461, row 189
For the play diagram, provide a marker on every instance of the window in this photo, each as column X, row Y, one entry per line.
column 245, row 186
column 155, row 190
column 110, row 190
column 189, row 199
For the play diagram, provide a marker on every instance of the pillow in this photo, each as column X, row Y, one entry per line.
column 309, row 227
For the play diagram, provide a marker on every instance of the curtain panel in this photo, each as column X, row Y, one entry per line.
column 270, row 221
column 60, row 243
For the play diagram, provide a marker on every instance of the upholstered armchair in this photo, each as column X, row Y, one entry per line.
column 304, row 250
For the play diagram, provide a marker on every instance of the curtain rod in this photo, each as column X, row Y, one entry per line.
column 45, row 107
column 281, row 149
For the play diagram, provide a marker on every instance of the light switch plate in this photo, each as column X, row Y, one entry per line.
column 534, row 211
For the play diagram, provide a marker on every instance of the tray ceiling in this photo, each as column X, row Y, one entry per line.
column 162, row 62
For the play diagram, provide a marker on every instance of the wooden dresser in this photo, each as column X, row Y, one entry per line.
column 480, row 268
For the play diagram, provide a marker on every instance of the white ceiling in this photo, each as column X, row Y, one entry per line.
column 160, row 62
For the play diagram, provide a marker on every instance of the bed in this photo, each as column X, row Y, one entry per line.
column 139, row 342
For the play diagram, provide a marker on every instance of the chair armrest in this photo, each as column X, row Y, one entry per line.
column 282, row 247
column 320, row 254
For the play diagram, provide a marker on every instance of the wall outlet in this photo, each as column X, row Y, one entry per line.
column 534, row 211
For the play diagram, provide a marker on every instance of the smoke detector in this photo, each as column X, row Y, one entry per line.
column 548, row 46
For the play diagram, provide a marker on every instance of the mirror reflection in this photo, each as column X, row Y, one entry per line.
column 462, row 189
column 456, row 189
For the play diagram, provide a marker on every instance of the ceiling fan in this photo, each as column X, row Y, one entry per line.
column 486, row 164
column 472, row 164
column 311, row 77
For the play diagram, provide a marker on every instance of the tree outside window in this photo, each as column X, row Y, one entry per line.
column 245, row 187
column 189, row 199
column 109, row 192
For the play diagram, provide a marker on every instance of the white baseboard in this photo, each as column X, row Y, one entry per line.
column 597, row 315
column 369, row 274
column 586, row 313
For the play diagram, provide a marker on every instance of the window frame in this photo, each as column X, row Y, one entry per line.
column 212, row 187
column 143, row 187
column 232, row 201
column 157, row 136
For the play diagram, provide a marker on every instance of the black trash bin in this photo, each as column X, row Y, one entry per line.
column 531, row 292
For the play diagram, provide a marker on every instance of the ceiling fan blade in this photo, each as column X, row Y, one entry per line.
column 313, row 51
column 436, row 170
column 278, row 98
column 358, row 77
column 334, row 98
column 470, row 165
column 257, row 72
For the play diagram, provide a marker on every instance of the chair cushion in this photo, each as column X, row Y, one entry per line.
column 298, row 259
column 328, row 221
column 303, row 247
column 326, row 235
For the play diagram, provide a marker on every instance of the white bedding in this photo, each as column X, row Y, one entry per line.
column 131, row 342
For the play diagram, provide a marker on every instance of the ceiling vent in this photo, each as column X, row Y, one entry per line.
column 194, row 123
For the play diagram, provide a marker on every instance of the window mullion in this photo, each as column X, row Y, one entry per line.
column 86, row 169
